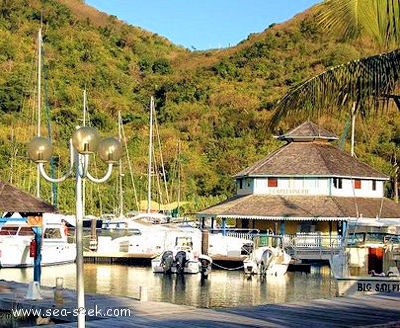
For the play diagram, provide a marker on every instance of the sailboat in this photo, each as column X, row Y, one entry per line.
column 131, row 222
column 20, row 244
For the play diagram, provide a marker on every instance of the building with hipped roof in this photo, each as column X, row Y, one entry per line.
column 307, row 187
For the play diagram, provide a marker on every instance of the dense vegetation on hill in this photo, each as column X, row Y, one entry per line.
column 216, row 104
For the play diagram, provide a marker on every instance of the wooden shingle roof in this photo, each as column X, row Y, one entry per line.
column 303, row 208
column 308, row 131
column 308, row 153
column 311, row 159
column 14, row 200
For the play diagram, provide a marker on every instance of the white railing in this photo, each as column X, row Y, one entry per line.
column 316, row 239
column 238, row 233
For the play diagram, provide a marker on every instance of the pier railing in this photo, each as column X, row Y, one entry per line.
column 313, row 246
column 238, row 233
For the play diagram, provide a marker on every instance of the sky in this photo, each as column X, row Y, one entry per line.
column 203, row 24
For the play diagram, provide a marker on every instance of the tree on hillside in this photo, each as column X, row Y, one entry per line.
column 365, row 82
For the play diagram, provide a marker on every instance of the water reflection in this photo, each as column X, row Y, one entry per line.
column 222, row 288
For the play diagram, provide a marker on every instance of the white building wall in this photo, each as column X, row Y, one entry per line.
column 366, row 190
column 309, row 186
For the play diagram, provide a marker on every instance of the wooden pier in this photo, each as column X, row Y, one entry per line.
column 122, row 257
column 379, row 310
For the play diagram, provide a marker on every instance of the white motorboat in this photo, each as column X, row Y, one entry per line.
column 17, row 245
column 131, row 222
column 205, row 265
column 267, row 260
column 223, row 245
column 387, row 281
column 181, row 259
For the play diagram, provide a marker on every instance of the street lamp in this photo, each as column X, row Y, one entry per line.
column 84, row 141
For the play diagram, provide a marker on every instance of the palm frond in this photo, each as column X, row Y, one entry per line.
column 360, row 80
column 379, row 19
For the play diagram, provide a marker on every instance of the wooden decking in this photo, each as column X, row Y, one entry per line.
column 380, row 310
column 96, row 257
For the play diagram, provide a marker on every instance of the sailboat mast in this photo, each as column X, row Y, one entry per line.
column 121, row 199
column 84, row 180
column 150, row 155
column 39, row 102
column 179, row 178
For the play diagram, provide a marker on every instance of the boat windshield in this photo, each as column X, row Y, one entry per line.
column 52, row 233
column 8, row 231
column 26, row 231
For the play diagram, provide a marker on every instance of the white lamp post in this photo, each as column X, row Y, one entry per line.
column 85, row 141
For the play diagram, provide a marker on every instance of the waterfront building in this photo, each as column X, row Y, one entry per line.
column 311, row 192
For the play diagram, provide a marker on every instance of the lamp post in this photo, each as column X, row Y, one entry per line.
column 84, row 141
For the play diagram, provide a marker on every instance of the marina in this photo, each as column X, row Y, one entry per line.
column 380, row 310
column 222, row 289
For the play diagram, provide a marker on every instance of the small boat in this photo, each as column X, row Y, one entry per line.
column 205, row 265
column 111, row 222
column 18, row 247
column 375, row 282
column 182, row 259
column 267, row 260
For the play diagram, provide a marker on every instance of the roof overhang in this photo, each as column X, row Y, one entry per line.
column 271, row 218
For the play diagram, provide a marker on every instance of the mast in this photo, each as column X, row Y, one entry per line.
column 353, row 123
column 179, row 178
column 121, row 196
column 150, row 156
column 39, row 104
column 84, row 180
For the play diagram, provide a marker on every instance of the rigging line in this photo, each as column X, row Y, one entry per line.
column 54, row 186
column 175, row 174
column 161, row 158
column 98, row 185
column 129, row 166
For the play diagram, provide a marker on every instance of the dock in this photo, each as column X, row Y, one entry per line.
column 377, row 310
column 132, row 258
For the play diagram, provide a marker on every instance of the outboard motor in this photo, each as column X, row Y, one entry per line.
column 180, row 260
column 205, row 265
column 167, row 259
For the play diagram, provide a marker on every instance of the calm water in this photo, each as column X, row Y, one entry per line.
column 222, row 289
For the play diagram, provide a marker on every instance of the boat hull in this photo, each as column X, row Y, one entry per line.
column 16, row 255
column 367, row 285
column 267, row 261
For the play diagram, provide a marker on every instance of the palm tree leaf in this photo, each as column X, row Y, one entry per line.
column 362, row 80
column 379, row 19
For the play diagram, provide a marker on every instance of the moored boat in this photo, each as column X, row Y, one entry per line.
column 267, row 260
column 181, row 259
column 347, row 284
column 18, row 247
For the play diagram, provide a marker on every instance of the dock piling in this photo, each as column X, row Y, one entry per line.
column 143, row 297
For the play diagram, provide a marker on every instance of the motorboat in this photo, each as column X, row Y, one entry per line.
column 267, row 260
column 205, row 265
column 18, row 246
column 183, row 258
column 230, row 246
column 385, row 280
column 111, row 222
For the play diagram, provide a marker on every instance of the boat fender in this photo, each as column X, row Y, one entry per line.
column 32, row 248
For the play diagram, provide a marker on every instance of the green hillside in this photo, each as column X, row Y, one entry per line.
column 216, row 104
